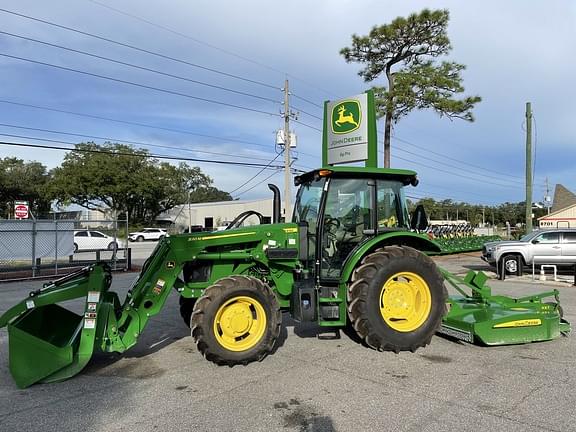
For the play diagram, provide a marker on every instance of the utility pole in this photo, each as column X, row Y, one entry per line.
column 287, row 176
column 547, row 197
column 528, row 167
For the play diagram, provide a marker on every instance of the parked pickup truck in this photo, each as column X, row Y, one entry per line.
column 554, row 246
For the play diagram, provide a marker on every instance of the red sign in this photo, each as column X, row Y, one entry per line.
column 21, row 210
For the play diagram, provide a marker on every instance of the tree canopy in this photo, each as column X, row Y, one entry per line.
column 405, row 51
column 123, row 179
column 26, row 181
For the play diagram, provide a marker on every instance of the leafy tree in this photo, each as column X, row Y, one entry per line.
column 405, row 51
column 122, row 179
column 25, row 181
column 209, row 194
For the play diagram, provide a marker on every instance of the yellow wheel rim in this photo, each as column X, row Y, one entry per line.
column 405, row 302
column 240, row 323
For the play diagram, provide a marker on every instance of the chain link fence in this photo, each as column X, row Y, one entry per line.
column 50, row 247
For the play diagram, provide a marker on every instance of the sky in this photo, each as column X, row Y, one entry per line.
column 515, row 52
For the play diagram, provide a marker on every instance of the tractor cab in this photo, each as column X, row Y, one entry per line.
column 343, row 207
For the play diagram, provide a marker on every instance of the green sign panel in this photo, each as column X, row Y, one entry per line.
column 350, row 131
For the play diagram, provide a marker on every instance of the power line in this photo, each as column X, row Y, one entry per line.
column 451, row 158
column 168, row 29
column 307, row 125
column 180, row 131
column 455, row 174
column 151, row 155
column 257, row 184
column 175, row 93
column 307, row 100
column 452, row 166
column 307, row 113
column 255, row 175
column 126, row 45
column 120, row 141
column 138, row 67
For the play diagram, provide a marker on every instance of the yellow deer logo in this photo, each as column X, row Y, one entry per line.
column 345, row 118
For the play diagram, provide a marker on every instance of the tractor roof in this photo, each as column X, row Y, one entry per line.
column 405, row 176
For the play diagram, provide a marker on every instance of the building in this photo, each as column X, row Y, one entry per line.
column 563, row 212
column 214, row 215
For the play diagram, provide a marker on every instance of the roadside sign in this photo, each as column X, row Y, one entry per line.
column 21, row 209
column 349, row 133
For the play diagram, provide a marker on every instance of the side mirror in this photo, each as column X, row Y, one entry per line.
column 536, row 241
column 418, row 220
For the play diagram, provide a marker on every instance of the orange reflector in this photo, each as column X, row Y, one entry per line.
column 324, row 173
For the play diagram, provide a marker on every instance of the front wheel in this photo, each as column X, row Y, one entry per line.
column 236, row 321
column 396, row 299
column 512, row 264
column 140, row 239
column 112, row 246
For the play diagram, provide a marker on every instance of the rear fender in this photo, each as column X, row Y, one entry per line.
column 399, row 238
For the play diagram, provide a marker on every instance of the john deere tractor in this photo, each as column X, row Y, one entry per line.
column 351, row 256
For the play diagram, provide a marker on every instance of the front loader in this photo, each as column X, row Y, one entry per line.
column 351, row 256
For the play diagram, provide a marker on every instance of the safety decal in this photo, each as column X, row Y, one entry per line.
column 170, row 264
column 89, row 323
column 159, row 286
column 93, row 296
column 30, row 304
column 92, row 307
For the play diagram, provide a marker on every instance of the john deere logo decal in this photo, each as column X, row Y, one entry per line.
column 346, row 117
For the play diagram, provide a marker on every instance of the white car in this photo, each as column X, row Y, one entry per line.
column 147, row 234
column 91, row 240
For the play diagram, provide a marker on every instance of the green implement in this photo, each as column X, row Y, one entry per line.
column 479, row 317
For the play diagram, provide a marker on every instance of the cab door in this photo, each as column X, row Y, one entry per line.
column 347, row 219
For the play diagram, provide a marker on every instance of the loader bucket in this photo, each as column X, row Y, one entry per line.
column 48, row 342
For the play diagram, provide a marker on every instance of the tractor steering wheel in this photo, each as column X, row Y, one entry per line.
column 242, row 217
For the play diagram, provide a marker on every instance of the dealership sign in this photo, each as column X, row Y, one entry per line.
column 21, row 209
column 350, row 130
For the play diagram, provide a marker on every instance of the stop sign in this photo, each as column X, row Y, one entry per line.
column 21, row 210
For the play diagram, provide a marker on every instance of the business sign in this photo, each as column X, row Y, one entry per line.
column 350, row 130
column 21, row 209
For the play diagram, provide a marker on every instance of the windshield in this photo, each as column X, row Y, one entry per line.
column 529, row 236
column 307, row 204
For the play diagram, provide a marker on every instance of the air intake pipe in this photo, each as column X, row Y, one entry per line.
column 276, row 203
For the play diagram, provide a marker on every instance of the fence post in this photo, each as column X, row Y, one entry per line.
column 34, row 248
column 56, row 244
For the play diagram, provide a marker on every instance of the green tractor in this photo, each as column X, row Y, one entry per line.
column 352, row 256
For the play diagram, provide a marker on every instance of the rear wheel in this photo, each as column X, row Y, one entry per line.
column 75, row 247
column 236, row 321
column 396, row 299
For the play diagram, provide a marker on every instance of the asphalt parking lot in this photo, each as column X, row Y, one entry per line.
column 308, row 384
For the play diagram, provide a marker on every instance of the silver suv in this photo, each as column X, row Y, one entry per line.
column 554, row 246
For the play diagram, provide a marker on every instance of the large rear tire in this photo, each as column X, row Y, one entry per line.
column 236, row 321
column 396, row 299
